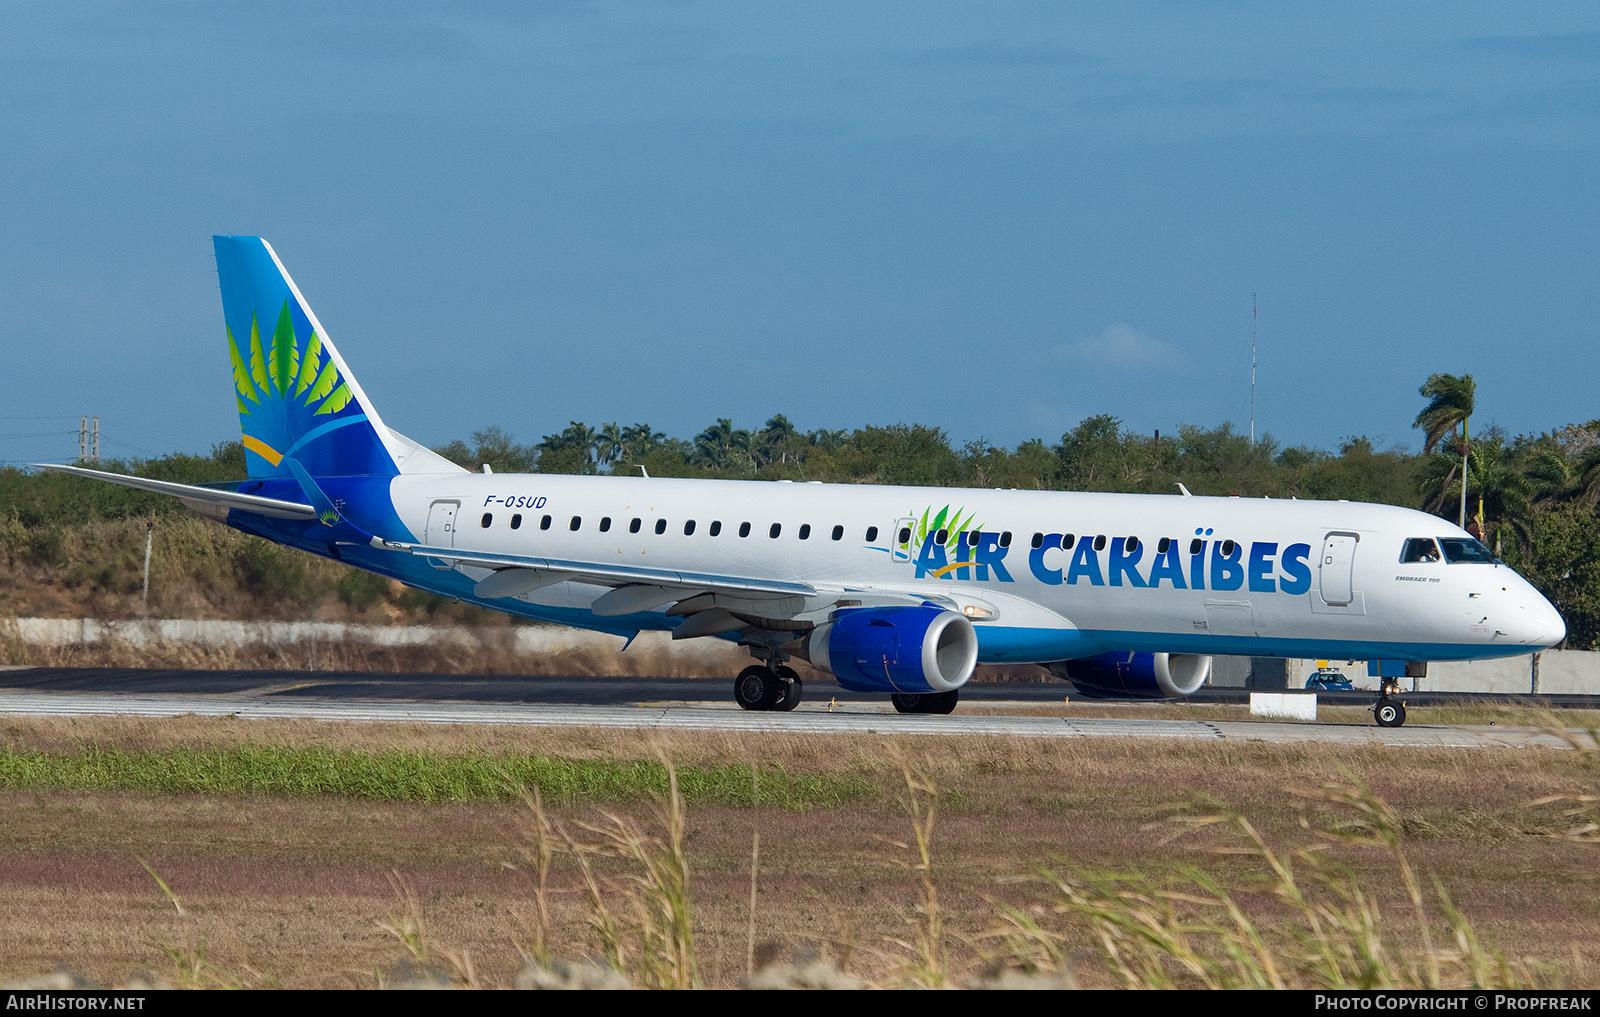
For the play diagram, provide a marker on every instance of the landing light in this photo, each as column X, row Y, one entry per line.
column 974, row 611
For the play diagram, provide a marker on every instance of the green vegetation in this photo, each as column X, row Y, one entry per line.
column 1531, row 497
column 404, row 775
column 909, row 861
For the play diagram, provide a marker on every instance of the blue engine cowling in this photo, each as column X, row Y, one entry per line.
column 1136, row 675
column 895, row 649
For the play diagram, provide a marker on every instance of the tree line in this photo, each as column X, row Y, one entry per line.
column 1531, row 498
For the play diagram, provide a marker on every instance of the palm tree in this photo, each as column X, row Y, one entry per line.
column 828, row 440
column 609, row 444
column 1450, row 404
column 640, row 439
column 577, row 440
column 1504, row 492
column 723, row 448
column 777, row 440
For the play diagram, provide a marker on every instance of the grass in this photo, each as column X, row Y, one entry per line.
column 411, row 776
column 1112, row 863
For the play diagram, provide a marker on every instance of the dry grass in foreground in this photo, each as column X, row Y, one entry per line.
column 1106, row 863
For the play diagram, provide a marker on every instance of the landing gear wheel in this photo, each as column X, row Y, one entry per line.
column 757, row 688
column 792, row 688
column 1390, row 713
column 925, row 702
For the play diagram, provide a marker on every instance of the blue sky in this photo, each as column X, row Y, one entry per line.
column 994, row 219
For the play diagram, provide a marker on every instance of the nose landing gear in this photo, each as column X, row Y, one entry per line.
column 1389, row 711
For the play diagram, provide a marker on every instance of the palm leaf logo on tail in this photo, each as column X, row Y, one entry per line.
column 282, row 386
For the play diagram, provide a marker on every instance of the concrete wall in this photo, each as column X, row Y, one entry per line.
column 1560, row 671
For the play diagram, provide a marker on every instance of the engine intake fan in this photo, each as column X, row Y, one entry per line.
column 894, row 649
column 1136, row 675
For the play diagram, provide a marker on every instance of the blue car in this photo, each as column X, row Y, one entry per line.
column 1329, row 681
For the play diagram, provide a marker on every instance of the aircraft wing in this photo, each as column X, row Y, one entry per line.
column 708, row 603
column 195, row 497
column 604, row 574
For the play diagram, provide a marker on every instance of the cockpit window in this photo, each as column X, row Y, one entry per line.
column 1420, row 549
column 1460, row 549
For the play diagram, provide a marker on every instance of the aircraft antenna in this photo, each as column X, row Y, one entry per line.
column 1252, row 370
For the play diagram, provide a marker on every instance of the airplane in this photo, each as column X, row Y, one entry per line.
column 893, row 590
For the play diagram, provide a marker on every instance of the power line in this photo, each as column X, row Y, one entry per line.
column 136, row 448
column 154, row 433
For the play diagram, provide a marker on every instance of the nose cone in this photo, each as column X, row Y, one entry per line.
column 1542, row 624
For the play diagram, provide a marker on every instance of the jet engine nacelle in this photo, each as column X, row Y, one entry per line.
column 895, row 649
column 1136, row 675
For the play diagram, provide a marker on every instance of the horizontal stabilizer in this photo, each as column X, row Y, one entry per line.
column 196, row 496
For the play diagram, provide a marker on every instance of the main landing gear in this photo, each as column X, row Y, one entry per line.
column 760, row 687
column 1389, row 712
column 926, row 702
column 771, row 685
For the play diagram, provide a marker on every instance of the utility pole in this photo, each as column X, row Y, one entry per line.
column 1252, row 370
column 83, row 439
column 149, row 534
column 94, row 447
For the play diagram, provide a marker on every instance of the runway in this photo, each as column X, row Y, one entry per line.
column 649, row 704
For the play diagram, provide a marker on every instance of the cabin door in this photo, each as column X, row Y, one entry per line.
column 441, row 531
column 1337, row 568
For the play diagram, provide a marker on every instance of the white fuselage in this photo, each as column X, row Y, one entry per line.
column 1141, row 572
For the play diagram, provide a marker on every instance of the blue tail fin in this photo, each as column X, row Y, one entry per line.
column 297, row 399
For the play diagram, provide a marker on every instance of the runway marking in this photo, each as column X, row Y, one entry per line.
column 815, row 720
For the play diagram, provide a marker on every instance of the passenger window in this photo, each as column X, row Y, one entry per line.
column 838, row 533
column 1420, row 549
column 1131, row 545
column 633, row 527
column 940, row 536
column 605, row 524
column 516, row 521
column 777, row 528
column 577, row 521
column 1038, row 540
column 1228, row 548
column 1005, row 539
column 1068, row 541
column 661, row 526
column 805, row 531
column 872, row 534
column 973, row 536
column 744, row 529
column 1100, row 542
column 544, row 523
column 688, row 528
column 905, row 534
column 488, row 518
column 1164, row 546
column 1196, row 546
column 716, row 528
